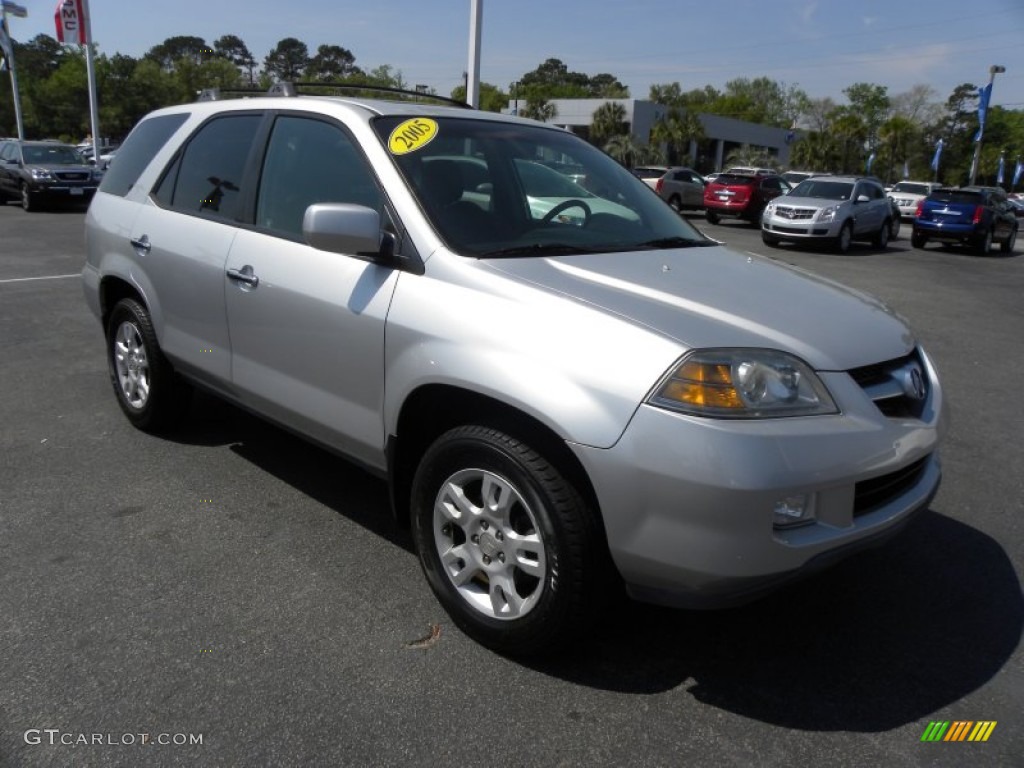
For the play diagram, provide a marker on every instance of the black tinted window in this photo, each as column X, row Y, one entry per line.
column 209, row 176
column 142, row 144
column 957, row 196
column 309, row 161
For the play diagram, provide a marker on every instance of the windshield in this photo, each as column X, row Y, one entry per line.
column 494, row 189
column 910, row 188
column 826, row 190
column 55, row 155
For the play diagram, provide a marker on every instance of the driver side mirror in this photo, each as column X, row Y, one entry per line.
column 346, row 228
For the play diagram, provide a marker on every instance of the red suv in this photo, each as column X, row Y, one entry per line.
column 741, row 196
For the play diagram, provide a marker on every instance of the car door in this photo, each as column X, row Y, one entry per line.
column 307, row 326
column 692, row 189
column 181, row 242
column 869, row 214
column 8, row 172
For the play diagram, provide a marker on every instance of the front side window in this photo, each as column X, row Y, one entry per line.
column 310, row 161
column 207, row 177
column 496, row 189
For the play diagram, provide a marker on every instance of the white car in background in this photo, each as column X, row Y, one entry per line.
column 907, row 194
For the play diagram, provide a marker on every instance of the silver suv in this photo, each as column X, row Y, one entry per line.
column 566, row 390
column 832, row 209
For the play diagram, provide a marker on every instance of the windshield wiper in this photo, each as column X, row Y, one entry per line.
column 550, row 249
column 675, row 242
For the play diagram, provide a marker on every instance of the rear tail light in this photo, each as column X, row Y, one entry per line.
column 977, row 215
column 920, row 209
column 658, row 185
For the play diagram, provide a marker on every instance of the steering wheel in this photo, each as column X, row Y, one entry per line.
column 566, row 205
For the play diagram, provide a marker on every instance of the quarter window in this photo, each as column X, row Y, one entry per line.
column 310, row 161
column 138, row 150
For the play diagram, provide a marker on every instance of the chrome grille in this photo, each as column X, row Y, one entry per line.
column 789, row 212
column 72, row 175
column 899, row 388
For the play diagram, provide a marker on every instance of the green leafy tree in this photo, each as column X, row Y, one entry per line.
column 871, row 104
column 748, row 155
column 625, row 149
column 332, row 62
column 170, row 51
column 895, row 136
column 288, row 59
column 232, row 48
column 492, row 98
column 553, row 80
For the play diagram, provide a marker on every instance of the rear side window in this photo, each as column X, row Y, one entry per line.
column 142, row 144
column 207, row 177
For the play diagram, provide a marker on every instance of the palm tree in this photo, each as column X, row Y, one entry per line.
column 678, row 130
column 851, row 133
column 814, row 151
column 625, row 149
column 757, row 157
column 608, row 120
column 895, row 134
column 540, row 109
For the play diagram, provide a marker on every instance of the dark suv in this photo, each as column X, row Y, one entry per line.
column 31, row 171
column 974, row 216
column 740, row 195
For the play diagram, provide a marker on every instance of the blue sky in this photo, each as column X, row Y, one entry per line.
column 821, row 45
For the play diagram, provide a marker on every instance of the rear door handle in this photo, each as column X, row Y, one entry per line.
column 244, row 275
column 141, row 244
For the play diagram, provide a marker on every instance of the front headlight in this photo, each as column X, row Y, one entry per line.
column 742, row 384
column 41, row 174
column 827, row 214
column 769, row 211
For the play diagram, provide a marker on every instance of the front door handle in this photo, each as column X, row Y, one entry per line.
column 244, row 275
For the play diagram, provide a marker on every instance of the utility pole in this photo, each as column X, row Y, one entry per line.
column 994, row 70
column 473, row 74
column 19, row 12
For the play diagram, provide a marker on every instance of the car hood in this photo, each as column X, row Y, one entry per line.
column 60, row 167
column 716, row 297
column 807, row 202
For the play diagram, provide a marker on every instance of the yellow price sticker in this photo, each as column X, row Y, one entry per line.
column 412, row 135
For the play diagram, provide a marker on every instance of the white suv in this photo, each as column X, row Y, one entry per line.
column 566, row 388
column 907, row 194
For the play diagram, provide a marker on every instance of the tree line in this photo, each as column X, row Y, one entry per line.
column 893, row 134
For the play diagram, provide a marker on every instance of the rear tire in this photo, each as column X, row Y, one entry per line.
column 1007, row 245
column 712, row 217
column 918, row 241
column 984, row 246
column 506, row 543
column 676, row 203
column 148, row 390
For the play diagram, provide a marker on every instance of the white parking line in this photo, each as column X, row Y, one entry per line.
column 47, row 277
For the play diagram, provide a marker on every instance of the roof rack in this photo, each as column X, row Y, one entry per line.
column 290, row 89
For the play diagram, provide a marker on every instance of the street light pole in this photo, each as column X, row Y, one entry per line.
column 994, row 70
column 21, row 13
column 476, row 10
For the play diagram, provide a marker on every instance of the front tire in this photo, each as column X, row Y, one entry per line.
column 28, row 200
column 149, row 392
column 770, row 240
column 507, row 544
column 881, row 238
column 844, row 238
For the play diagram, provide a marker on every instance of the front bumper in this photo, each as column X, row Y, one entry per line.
column 799, row 228
column 63, row 190
column 688, row 502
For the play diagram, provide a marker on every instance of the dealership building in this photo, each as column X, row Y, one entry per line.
column 722, row 135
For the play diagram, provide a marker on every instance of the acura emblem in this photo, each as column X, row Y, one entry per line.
column 913, row 383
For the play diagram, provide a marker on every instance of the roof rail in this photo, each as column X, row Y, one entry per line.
column 290, row 89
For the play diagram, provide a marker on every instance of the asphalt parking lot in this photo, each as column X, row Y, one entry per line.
column 234, row 596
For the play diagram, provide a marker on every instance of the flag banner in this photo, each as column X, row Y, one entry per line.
column 984, row 94
column 70, row 20
column 938, row 154
column 6, row 47
column 871, row 160
column 906, row 170
column 1017, row 172
column 999, row 173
